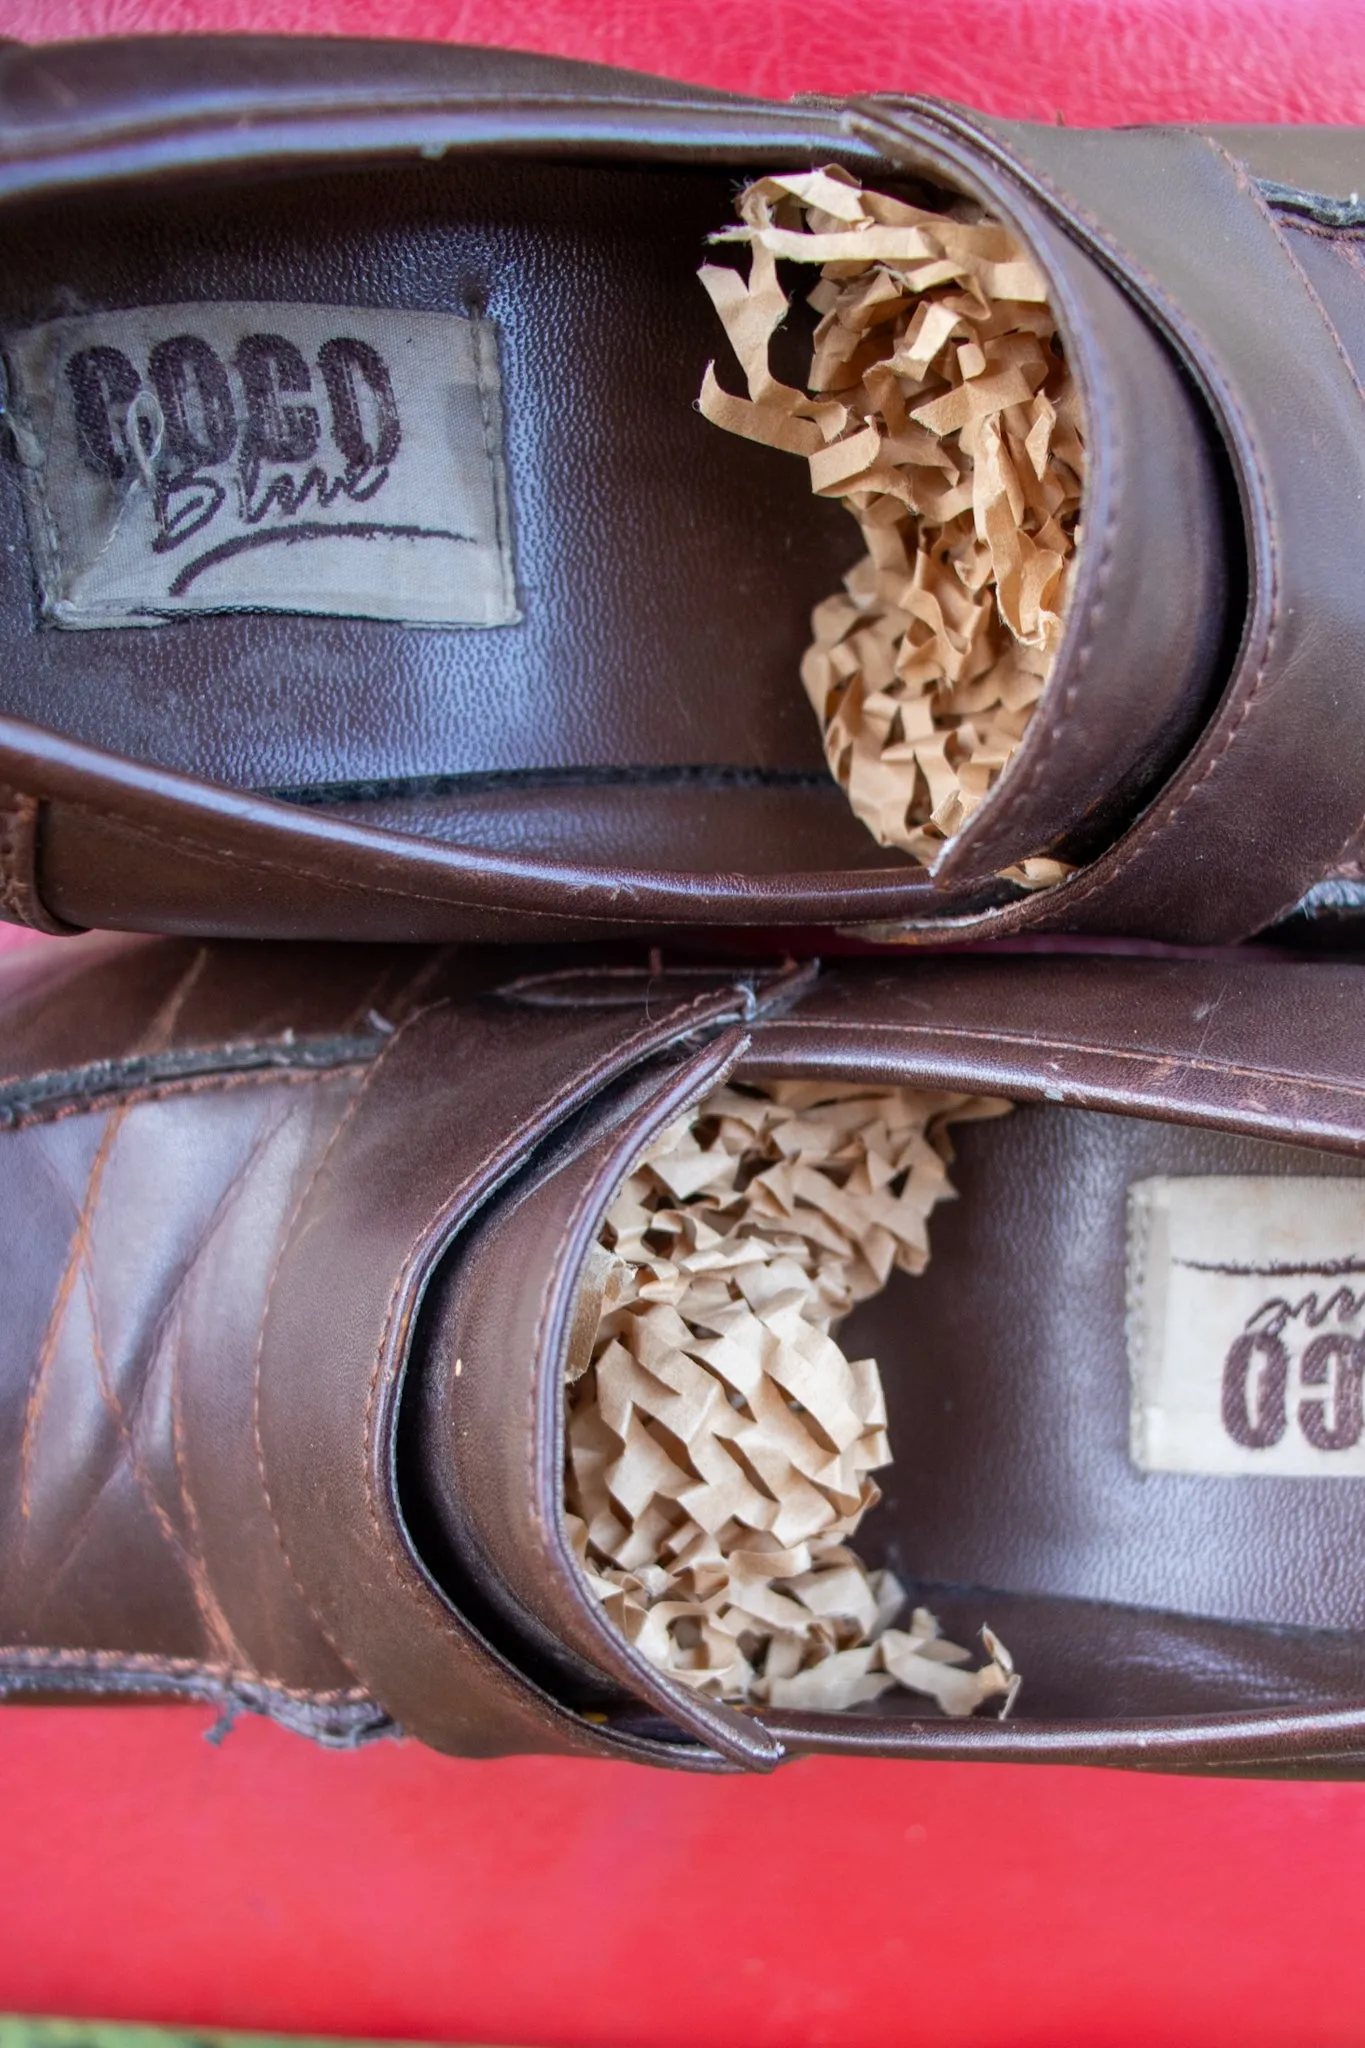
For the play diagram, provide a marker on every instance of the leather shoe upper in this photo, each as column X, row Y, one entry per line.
column 258, row 1202
column 629, row 751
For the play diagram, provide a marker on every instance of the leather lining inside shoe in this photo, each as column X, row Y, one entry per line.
column 750, row 819
column 665, row 573
column 1013, row 1500
column 662, row 574
column 647, row 547
column 1012, row 1428
column 640, row 539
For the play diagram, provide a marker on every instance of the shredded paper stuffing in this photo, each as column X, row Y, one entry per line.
column 720, row 1445
column 941, row 409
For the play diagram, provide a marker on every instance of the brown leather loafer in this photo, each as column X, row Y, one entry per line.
column 369, row 571
column 295, row 1246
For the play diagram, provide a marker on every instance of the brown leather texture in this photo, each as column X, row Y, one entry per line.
column 1266, row 753
column 20, row 902
column 258, row 1200
column 636, row 751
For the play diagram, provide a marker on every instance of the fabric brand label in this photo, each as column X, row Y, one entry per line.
column 257, row 457
column 1246, row 1325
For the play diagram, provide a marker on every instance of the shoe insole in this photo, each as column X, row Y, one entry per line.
column 645, row 705
column 1014, row 1499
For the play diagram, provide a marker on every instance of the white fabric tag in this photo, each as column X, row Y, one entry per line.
column 1246, row 1325
column 233, row 457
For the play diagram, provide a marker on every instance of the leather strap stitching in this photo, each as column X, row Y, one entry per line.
column 1014, row 794
column 20, row 902
column 25, row 1657
column 161, row 1091
column 342, row 1124
column 1152, row 831
column 335, row 1717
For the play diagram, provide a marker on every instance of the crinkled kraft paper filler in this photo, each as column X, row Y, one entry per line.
column 943, row 413
column 720, row 1444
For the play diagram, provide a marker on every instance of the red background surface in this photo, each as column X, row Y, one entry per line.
column 147, row 1875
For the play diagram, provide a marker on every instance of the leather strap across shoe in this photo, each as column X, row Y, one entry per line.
column 592, row 725
column 292, row 1249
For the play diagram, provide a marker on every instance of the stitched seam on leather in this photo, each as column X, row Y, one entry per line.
column 75, row 1534
column 1013, row 797
column 222, row 1630
column 518, row 1677
column 625, row 1056
column 175, row 1308
column 211, row 1084
column 1180, row 1061
column 1312, row 291
column 519, row 1680
column 112, row 1079
column 66, row 1286
column 286, row 1233
column 1353, row 253
column 206, row 1606
column 158, row 1031
column 471, row 1175
column 1352, row 245
column 537, row 1352
column 25, row 1657
column 168, row 1015
column 1124, row 861
column 226, row 1201
column 1347, row 239
column 372, row 1391
column 1121, row 859
column 189, row 1553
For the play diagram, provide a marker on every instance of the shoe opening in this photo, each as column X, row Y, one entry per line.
column 940, row 408
column 720, row 1445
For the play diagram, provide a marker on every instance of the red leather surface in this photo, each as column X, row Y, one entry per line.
column 144, row 1874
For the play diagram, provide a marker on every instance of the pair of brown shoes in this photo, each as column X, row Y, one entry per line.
column 540, row 1348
